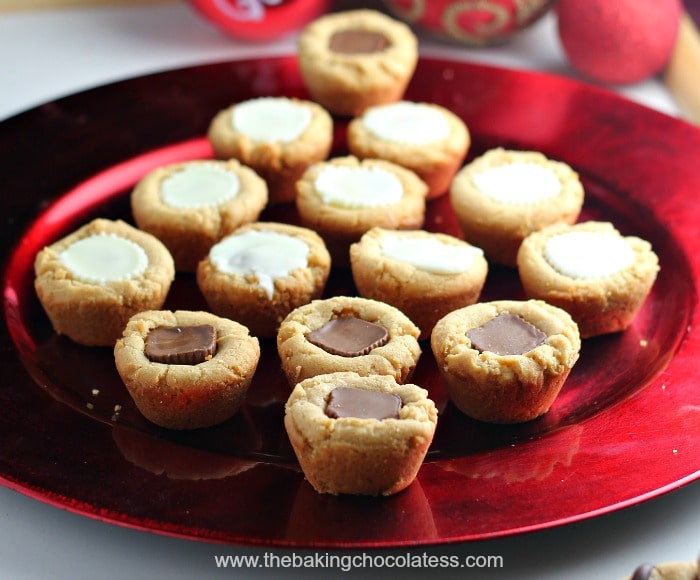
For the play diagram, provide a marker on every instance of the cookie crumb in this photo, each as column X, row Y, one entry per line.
column 95, row 392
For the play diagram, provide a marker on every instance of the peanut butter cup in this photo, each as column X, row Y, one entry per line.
column 507, row 334
column 354, row 402
column 183, row 345
column 348, row 333
column 349, row 336
column 357, row 41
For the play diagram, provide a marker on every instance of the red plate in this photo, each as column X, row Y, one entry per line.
column 625, row 428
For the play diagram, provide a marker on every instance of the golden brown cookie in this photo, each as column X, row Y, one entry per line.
column 185, row 369
column 426, row 138
column 190, row 206
column 347, row 333
column 503, row 196
column 425, row 275
column 344, row 197
column 355, row 59
column 359, row 435
column 261, row 272
column 677, row 570
column 505, row 361
column 590, row 270
column 278, row 137
column 92, row 281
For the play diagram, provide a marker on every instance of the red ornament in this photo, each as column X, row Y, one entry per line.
column 619, row 42
column 260, row 20
column 474, row 22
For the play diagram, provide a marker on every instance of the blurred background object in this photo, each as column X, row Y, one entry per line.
column 472, row 22
column 682, row 73
column 618, row 42
column 261, row 20
column 7, row 5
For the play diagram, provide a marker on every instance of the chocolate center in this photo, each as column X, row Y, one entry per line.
column 349, row 336
column 643, row 572
column 362, row 404
column 181, row 345
column 506, row 334
column 354, row 41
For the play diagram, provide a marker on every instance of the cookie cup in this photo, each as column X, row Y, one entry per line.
column 348, row 83
column 95, row 313
column 599, row 305
column 279, row 163
column 499, row 227
column 189, row 232
column 505, row 388
column 302, row 359
column 359, row 456
column 187, row 396
column 423, row 295
column 435, row 161
column 242, row 298
column 339, row 224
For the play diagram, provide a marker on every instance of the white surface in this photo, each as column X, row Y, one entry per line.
column 50, row 54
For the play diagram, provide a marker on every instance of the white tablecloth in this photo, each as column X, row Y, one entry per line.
column 53, row 53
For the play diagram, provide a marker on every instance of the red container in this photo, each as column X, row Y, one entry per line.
column 260, row 20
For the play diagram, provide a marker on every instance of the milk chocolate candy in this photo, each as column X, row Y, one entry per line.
column 349, row 336
column 643, row 572
column 362, row 404
column 506, row 334
column 183, row 345
column 352, row 41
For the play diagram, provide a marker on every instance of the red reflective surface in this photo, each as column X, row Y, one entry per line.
column 625, row 428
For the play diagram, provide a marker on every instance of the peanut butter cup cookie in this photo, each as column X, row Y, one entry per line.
column 278, row 137
column 590, row 270
column 503, row 196
column 354, row 59
column 505, row 361
column 92, row 281
column 190, row 206
column 184, row 369
column 359, row 435
column 347, row 333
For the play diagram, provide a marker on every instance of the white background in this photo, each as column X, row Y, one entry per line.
column 50, row 54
